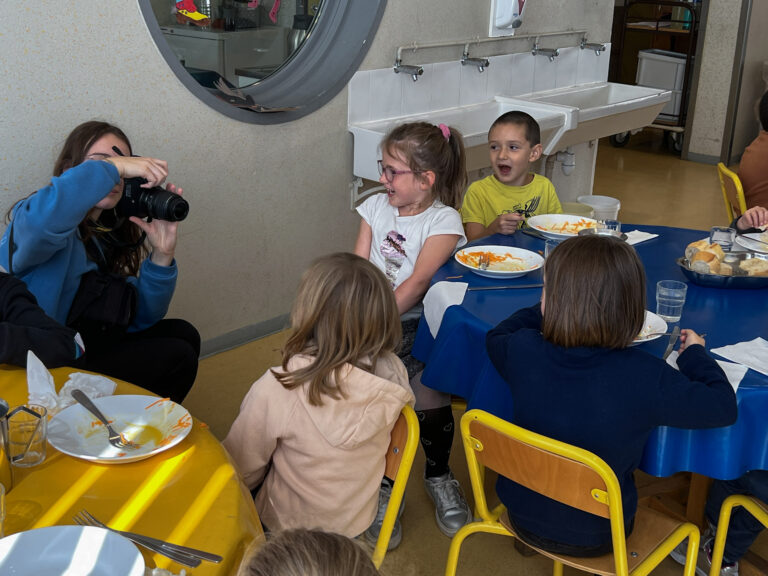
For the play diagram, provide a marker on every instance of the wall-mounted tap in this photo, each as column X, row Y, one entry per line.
column 592, row 46
column 550, row 53
column 414, row 71
column 481, row 63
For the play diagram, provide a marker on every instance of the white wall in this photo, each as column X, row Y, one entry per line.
column 265, row 200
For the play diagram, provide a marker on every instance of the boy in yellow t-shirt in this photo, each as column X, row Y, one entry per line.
column 498, row 203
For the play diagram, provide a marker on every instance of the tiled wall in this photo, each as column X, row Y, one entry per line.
column 380, row 94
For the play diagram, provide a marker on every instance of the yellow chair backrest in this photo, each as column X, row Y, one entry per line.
column 733, row 192
column 404, row 440
column 757, row 508
column 570, row 475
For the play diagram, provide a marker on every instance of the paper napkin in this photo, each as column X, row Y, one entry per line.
column 636, row 236
column 734, row 372
column 42, row 391
column 753, row 354
column 438, row 298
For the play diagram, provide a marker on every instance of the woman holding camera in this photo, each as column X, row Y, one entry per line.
column 90, row 268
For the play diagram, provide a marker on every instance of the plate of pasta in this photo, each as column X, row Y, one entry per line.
column 503, row 261
column 560, row 226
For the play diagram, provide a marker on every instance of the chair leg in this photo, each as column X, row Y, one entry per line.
column 720, row 534
column 557, row 568
column 461, row 535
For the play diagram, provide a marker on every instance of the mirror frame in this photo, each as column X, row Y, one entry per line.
column 315, row 73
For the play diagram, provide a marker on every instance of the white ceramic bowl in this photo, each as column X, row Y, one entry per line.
column 560, row 226
column 530, row 261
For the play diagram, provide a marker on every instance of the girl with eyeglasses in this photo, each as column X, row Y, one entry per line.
column 409, row 232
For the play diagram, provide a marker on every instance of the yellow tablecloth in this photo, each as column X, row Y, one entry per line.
column 190, row 494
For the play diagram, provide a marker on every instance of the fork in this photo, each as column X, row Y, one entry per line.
column 82, row 518
column 115, row 438
column 483, row 261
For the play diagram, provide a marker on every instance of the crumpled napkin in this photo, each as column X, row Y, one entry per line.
column 734, row 372
column 438, row 298
column 42, row 391
column 636, row 236
column 753, row 354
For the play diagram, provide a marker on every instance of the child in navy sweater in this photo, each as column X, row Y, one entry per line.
column 575, row 378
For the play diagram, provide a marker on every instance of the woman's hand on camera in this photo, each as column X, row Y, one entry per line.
column 153, row 170
column 688, row 338
column 161, row 234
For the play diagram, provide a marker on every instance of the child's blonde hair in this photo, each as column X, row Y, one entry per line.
column 344, row 312
column 439, row 149
column 302, row 552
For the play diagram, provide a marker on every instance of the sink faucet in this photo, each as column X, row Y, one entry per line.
column 592, row 46
column 414, row 71
column 481, row 63
column 551, row 53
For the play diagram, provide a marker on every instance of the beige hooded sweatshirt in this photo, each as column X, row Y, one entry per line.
column 323, row 464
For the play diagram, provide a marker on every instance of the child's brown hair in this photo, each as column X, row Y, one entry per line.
column 344, row 313
column 438, row 149
column 594, row 293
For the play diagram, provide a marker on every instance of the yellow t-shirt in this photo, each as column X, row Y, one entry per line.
column 487, row 198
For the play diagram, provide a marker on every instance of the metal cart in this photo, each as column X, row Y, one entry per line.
column 657, row 46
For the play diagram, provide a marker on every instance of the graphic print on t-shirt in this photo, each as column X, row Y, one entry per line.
column 393, row 250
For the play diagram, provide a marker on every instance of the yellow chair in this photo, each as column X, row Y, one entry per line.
column 733, row 193
column 755, row 507
column 574, row 477
column 400, row 454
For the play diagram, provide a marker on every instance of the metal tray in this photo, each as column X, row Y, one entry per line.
column 718, row 281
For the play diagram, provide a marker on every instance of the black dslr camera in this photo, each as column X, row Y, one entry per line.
column 150, row 203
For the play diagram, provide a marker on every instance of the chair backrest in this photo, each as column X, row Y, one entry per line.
column 733, row 192
column 404, row 440
column 563, row 472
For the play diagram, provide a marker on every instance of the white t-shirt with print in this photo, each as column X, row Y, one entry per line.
column 397, row 240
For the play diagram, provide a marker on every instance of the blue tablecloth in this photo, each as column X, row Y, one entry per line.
column 458, row 363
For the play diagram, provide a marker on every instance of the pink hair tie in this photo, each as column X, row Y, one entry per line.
column 446, row 131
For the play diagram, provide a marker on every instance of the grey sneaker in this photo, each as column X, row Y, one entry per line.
column 451, row 508
column 704, row 559
column 372, row 534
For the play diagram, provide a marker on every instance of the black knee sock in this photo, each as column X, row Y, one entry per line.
column 436, row 438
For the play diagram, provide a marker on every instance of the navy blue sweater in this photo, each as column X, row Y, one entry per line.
column 605, row 401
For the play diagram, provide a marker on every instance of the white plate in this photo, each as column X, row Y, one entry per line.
column 748, row 241
column 544, row 224
column 654, row 325
column 530, row 260
column 155, row 423
column 70, row 550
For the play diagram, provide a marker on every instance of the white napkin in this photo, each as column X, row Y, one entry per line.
column 636, row 236
column 438, row 298
column 43, row 392
column 753, row 354
column 40, row 383
column 734, row 372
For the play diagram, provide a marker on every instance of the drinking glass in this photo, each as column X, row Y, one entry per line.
column 723, row 236
column 27, row 435
column 610, row 225
column 670, row 298
column 550, row 245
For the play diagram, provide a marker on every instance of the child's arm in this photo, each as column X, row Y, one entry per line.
column 364, row 239
column 435, row 252
column 253, row 436
column 504, row 224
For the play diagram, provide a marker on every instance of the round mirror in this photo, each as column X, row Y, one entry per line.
column 263, row 61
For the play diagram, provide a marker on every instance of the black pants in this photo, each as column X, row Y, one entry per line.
column 163, row 358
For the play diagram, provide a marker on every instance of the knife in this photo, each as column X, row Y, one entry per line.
column 534, row 233
column 672, row 339
column 471, row 288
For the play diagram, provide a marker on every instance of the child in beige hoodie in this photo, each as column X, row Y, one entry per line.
column 314, row 432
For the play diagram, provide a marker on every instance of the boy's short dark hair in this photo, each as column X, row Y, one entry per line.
column 764, row 111
column 532, row 131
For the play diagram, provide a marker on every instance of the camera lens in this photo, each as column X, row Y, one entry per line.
column 156, row 202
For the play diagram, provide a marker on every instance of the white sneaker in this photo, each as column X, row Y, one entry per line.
column 451, row 508
column 372, row 533
column 704, row 559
